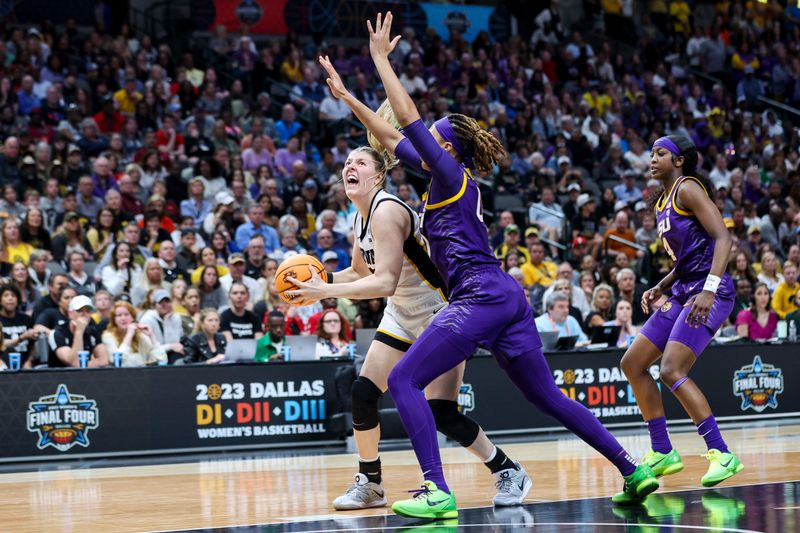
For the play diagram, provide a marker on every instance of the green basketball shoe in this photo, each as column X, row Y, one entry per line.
column 723, row 512
column 723, row 466
column 637, row 486
column 428, row 502
column 662, row 507
column 663, row 464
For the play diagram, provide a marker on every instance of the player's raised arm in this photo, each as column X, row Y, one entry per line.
column 380, row 46
column 454, row 142
column 386, row 134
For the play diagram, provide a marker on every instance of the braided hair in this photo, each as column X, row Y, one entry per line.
column 690, row 159
column 483, row 147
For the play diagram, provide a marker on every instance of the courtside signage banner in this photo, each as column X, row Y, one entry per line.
column 249, row 410
column 63, row 413
column 761, row 377
column 70, row 413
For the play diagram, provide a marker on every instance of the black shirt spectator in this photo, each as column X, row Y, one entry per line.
column 52, row 318
column 50, row 301
column 14, row 329
column 61, row 336
column 171, row 274
column 198, row 350
column 244, row 326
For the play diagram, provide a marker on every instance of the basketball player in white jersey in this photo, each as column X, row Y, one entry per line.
column 389, row 260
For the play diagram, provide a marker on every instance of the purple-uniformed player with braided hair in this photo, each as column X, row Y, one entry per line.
column 487, row 307
column 694, row 235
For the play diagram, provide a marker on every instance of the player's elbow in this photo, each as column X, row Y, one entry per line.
column 385, row 285
column 724, row 239
column 407, row 113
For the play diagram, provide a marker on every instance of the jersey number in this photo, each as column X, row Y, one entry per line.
column 663, row 227
column 668, row 249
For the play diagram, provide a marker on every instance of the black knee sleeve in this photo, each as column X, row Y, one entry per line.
column 454, row 425
column 365, row 396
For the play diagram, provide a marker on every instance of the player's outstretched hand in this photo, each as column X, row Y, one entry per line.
column 649, row 297
column 309, row 291
column 335, row 83
column 700, row 308
column 380, row 44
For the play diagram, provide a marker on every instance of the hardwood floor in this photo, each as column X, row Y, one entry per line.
column 231, row 492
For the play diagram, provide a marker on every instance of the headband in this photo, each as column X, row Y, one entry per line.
column 666, row 142
column 445, row 129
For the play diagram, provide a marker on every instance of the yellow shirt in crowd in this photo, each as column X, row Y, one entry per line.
column 543, row 274
column 127, row 103
column 20, row 252
column 784, row 297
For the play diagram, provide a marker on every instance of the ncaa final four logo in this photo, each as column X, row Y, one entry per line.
column 758, row 385
column 62, row 420
column 249, row 12
column 466, row 398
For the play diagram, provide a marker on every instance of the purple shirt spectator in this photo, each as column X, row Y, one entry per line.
column 252, row 160
column 285, row 159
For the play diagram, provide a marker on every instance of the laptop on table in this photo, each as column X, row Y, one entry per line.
column 304, row 347
column 607, row 334
column 241, row 350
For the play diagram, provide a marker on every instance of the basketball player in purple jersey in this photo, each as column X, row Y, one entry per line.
column 695, row 237
column 389, row 260
column 487, row 307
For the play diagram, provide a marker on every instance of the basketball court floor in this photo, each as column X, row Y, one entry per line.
column 292, row 491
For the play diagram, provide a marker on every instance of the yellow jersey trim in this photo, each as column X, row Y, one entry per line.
column 392, row 335
column 416, row 269
column 454, row 198
column 662, row 201
column 675, row 204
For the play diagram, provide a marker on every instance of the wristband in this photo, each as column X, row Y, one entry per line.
column 330, row 277
column 712, row 283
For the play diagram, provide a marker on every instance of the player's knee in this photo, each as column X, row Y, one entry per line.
column 629, row 365
column 396, row 379
column 454, row 425
column 670, row 375
column 401, row 378
column 365, row 396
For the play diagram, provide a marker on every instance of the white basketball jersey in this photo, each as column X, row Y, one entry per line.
column 418, row 276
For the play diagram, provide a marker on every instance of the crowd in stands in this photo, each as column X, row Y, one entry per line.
column 147, row 198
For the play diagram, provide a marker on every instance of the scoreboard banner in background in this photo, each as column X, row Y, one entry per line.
column 468, row 20
column 347, row 18
column 260, row 16
column 78, row 413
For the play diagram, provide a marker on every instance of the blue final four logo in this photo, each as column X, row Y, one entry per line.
column 63, row 420
column 758, row 385
column 466, row 398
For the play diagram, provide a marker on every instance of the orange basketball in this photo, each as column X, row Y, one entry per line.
column 297, row 267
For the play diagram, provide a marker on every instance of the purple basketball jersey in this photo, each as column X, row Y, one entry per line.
column 459, row 241
column 692, row 248
column 486, row 305
column 685, row 239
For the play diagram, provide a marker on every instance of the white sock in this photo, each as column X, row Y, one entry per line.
column 491, row 455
